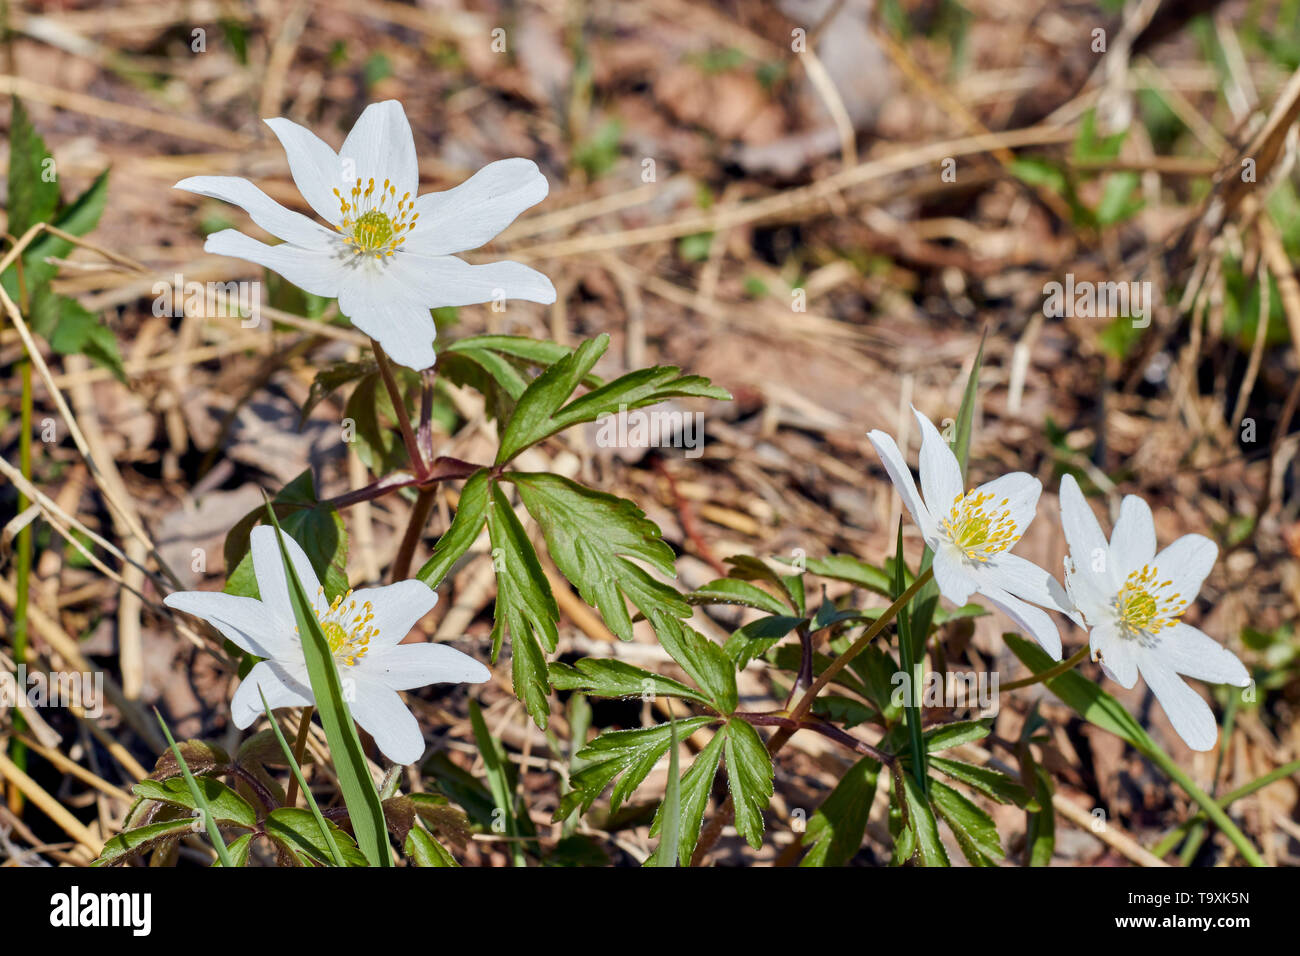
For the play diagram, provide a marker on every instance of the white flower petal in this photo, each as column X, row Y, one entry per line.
column 440, row 281
column 283, row 223
column 415, row 665
column 1024, row 579
column 1117, row 654
column 904, row 484
column 955, row 580
column 1089, row 550
column 276, row 682
column 243, row 620
column 311, row 270
column 381, row 146
column 1133, row 539
column 940, row 474
column 315, row 167
column 268, row 568
column 476, row 211
column 396, row 608
column 381, row 713
column 1186, row 709
column 379, row 305
column 1186, row 563
column 1193, row 653
column 1032, row 620
column 1020, row 491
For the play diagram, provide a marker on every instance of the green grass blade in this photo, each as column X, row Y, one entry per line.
column 498, row 775
column 302, row 784
column 214, row 834
column 966, row 414
column 911, row 649
column 359, row 794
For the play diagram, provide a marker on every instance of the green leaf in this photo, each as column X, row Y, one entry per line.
column 757, row 637
column 532, row 419
column 947, row 736
column 835, row 831
column 330, row 379
column 749, row 775
column 733, row 591
column 613, row 678
column 315, row 525
column 670, row 837
column 239, row 850
column 471, row 511
column 142, row 839
column 629, row 753
column 592, row 537
column 992, row 783
column 295, row 831
column 525, row 607
column 704, row 661
column 33, row 195
column 78, row 219
column 976, row 833
column 536, row 352
column 843, row 567
column 426, row 851
column 72, row 329
column 378, row 440
column 746, row 567
column 225, row 805
column 538, row 414
column 355, row 782
column 920, row 820
column 696, row 784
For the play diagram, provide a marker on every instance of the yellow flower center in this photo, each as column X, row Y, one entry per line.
column 347, row 628
column 1145, row 605
column 979, row 528
column 371, row 224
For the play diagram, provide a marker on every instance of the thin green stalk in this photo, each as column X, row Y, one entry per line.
column 418, row 464
column 295, row 766
column 299, row 749
column 1170, row 840
column 414, row 529
column 1069, row 664
column 23, row 564
column 724, row 814
column 1209, row 806
column 825, row 677
column 200, row 801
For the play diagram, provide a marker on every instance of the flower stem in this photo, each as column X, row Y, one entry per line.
column 418, row 463
column 299, row 749
column 724, row 814
column 1281, row 773
column 1208, row 805
column 858, row 646
column 414, row 528
column 1070, row 663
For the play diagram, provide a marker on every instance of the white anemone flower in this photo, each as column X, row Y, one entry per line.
column 387, row 254
column 364, row 630
column 1131, row 599
column 971, row 533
